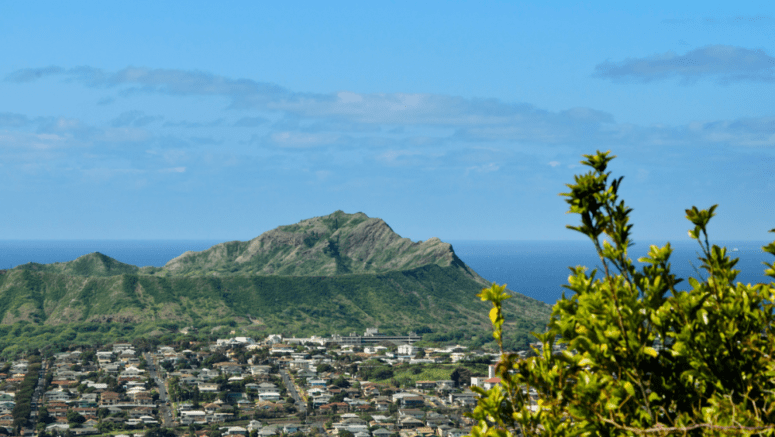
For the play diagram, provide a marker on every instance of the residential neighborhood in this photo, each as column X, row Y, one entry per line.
column 244, row 387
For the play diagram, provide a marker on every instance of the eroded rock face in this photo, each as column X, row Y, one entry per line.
column 338, row 243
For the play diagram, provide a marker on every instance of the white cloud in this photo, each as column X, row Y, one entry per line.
column 402, row 120
column 173, row 170
column 301, row 139
column 484, row 168
column 723, row 62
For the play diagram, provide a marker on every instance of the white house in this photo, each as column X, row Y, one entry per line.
column 269, row 396
column 408, row 349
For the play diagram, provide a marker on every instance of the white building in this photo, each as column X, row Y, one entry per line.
column 408, row 349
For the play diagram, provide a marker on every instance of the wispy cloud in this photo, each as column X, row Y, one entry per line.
column 747, row 21
column 173, row 170
column 402, row 121
column 9, row 119
column 296, row 140
column 244, row 92
column 33, row 74
column 346, row 109
column 194, row 124
column 721, row 62
column 134, row 118
column 31, row 141
column 484, row 168
column 251, row 121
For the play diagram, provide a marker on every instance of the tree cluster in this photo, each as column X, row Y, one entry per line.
column 637, row 355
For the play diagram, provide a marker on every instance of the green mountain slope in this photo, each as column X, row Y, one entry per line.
column 93, row 264
column 428, row 295
column 335, row 244
column 334, row 274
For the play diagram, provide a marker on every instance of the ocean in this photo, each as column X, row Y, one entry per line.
column 537, row 269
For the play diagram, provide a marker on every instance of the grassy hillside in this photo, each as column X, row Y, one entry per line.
column 339, row 273
column 336, row 244
column 436, row 300
column 93, row 264
column 443, row 297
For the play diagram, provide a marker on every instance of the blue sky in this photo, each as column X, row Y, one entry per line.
column 460, row 120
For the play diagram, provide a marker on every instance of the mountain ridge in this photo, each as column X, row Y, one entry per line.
column 335, row 273
column 335, row 244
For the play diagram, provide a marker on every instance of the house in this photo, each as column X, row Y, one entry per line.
column 109, row 398
column 193, row 416
column 380, row 432
column 335, row 406
column 465, row 398
column 97, row 386
column 411, row 412
column 409, row 422
column 222, row 417
column 268, row 431
column 290, row 428
column 424, row 431
column 319, row 401
column 131, row 372
column 208, row 388
column 111, row 367
column 442, row 382
column 382, row 405
column 57, row 395
column 254, row 425
column 306, row 373
column 269, row 396
column 139, row 412
column 260, row 370
column 442, row 430
column 408, row 350
column 266, row 387
column 434, row 419
column 229, row 367
column 187, row 379
column 412, row 401
column 425, row 385
column 491, row 382
column 208, row 374
column 6, row 419
column 281, row 349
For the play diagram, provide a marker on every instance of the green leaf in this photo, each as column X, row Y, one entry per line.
column 629, row 388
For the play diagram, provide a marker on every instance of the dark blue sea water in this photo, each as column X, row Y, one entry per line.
column 538, row 269
column 534, row 268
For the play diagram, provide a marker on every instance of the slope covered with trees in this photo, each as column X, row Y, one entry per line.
column 340, row 273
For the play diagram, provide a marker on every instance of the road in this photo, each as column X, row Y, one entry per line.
column 165, row 411
column 300, row 405
column 37, row 395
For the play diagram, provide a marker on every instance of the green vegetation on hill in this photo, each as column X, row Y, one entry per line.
column 335, row 244
column 93, row 264
column 336, row 274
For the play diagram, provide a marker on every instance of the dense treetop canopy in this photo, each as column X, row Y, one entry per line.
column 629, row 352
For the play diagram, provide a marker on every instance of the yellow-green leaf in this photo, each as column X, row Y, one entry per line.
column 629, row 388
